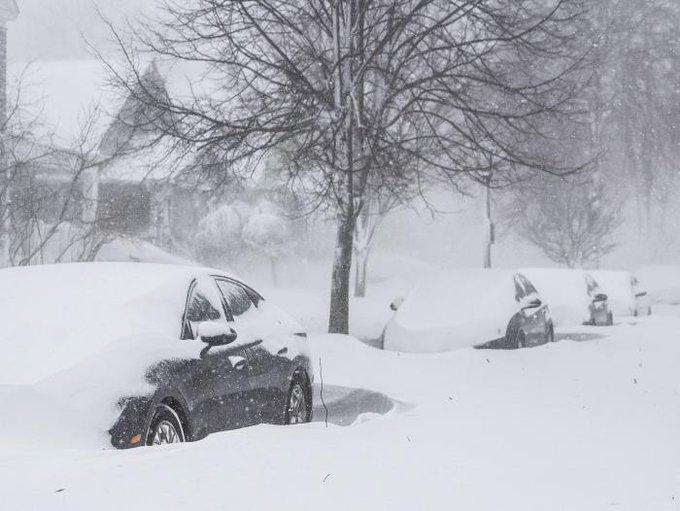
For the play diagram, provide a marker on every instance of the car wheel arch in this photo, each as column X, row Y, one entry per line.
column 180, row 410
column 174, row 401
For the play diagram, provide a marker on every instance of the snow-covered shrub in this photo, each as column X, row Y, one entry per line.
column 219, row 233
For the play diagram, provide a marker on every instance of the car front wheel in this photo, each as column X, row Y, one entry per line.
column 165, row 428
column 298, row 409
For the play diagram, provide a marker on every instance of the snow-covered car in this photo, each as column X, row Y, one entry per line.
column 625, row 293
column 469, row 308
column 574, row 296
column 152, row 354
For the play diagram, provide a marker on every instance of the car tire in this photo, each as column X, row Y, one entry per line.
column 610, row 319
column 298, row 402
column 165, row 427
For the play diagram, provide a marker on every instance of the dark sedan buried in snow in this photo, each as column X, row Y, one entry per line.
column 153, row 354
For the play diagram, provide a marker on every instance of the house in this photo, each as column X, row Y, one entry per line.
column 89, row 151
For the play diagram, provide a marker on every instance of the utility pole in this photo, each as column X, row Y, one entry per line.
column 489, row 228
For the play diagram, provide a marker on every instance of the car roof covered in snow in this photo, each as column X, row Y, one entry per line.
column 52, row 316
column 453, row 296
column 616, row 284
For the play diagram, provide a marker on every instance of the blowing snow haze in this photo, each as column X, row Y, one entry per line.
column 54, row 29
column 350, row 254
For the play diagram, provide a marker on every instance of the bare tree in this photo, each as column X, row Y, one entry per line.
column 371, row 217
column 572, row 222
column 345, row 89
column 632, row 102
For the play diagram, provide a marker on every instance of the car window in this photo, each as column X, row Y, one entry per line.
column 237, row 299
column 530, row 289
column 203, row 304
column 519, row 289
column 591, row 284
column 528, row 286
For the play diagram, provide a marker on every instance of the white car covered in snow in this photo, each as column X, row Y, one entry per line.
column 466, row 308
column 626, row 296
column 575, row 297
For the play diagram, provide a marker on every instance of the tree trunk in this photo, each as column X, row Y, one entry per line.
column 361, row 271
column 338, row 322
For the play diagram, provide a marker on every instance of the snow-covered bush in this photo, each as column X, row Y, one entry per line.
column 219, row 233
column 239, row 230
column 268, row 235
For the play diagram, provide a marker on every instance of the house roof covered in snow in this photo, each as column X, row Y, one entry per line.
column 75, row 104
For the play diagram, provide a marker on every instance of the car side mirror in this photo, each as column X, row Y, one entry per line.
column 640, row 294
column 532, row 303
column 600, row 297
column 215, row 333
column 396, row 303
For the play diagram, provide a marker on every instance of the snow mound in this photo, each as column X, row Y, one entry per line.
column 565, row 291
column 662, row 283
column 58, row 315
column 452, row 310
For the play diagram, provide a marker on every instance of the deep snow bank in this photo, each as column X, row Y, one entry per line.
column 588, row 424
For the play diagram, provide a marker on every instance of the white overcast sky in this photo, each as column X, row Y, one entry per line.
column 51, row 29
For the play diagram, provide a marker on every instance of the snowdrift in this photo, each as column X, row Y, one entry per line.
column 662, row 283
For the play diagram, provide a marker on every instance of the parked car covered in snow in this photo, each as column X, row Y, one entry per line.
column 626, row 295
column 574, row 296
column 471, row 307
column 152, row 354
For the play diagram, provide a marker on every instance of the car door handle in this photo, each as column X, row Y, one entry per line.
column 282, row 351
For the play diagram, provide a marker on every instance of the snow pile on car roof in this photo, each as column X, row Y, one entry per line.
column 619, row 290
column 56, row 315
column 662, row 282
column 454, row 309
column 565, row 291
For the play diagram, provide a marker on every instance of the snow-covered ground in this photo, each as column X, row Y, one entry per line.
column 590, row 422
